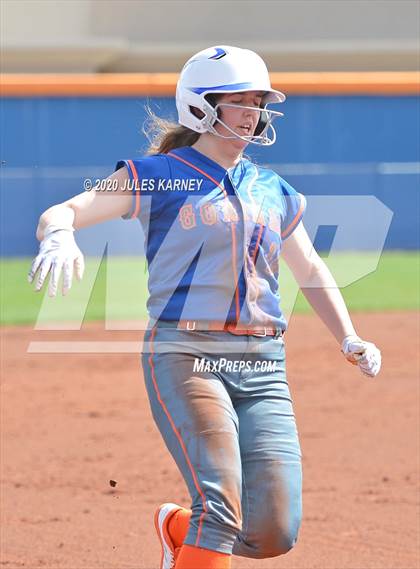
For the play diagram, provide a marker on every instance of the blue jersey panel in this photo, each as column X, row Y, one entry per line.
column 213, row 236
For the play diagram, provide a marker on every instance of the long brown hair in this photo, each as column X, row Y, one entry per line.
column 165, row 135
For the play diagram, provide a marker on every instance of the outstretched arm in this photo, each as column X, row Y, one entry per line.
column 58, row 251
column 88, row 208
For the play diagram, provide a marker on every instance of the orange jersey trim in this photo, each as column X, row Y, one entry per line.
column 136, row 189
column 295, row 220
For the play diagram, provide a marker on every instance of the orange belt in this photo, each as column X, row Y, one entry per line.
column 215, row 326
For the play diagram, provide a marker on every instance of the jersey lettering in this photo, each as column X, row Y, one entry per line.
column 187, row 216
column 208, row 214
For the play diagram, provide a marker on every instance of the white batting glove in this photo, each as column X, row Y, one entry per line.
column 58, row 252
column 363, row 354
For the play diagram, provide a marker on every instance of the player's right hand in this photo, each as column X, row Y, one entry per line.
column 58, row 252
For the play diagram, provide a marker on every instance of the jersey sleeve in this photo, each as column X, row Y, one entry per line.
column 133, row 167
column 294, row 205
column 145, row 174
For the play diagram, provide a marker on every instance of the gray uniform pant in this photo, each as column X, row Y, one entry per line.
column 231, row 429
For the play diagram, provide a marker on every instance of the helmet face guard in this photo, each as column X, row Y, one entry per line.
column 264, row 134
column 225, row 69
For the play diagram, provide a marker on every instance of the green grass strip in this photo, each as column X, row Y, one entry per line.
column 394, row 285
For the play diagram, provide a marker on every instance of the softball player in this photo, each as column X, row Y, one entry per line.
column 214, row 354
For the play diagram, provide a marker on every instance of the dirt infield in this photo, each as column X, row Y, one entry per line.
column 72, row 423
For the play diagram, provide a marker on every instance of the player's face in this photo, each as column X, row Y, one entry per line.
column 241, row 121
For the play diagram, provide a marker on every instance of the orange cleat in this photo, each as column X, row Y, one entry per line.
column 169, row 552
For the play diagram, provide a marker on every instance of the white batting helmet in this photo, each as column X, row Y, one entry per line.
column 225, row 69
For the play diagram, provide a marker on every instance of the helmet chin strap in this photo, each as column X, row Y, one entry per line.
column 262, row 139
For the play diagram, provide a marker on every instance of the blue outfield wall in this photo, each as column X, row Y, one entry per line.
column 327, row 145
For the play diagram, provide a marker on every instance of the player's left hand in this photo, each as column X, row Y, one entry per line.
column 363, row 354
